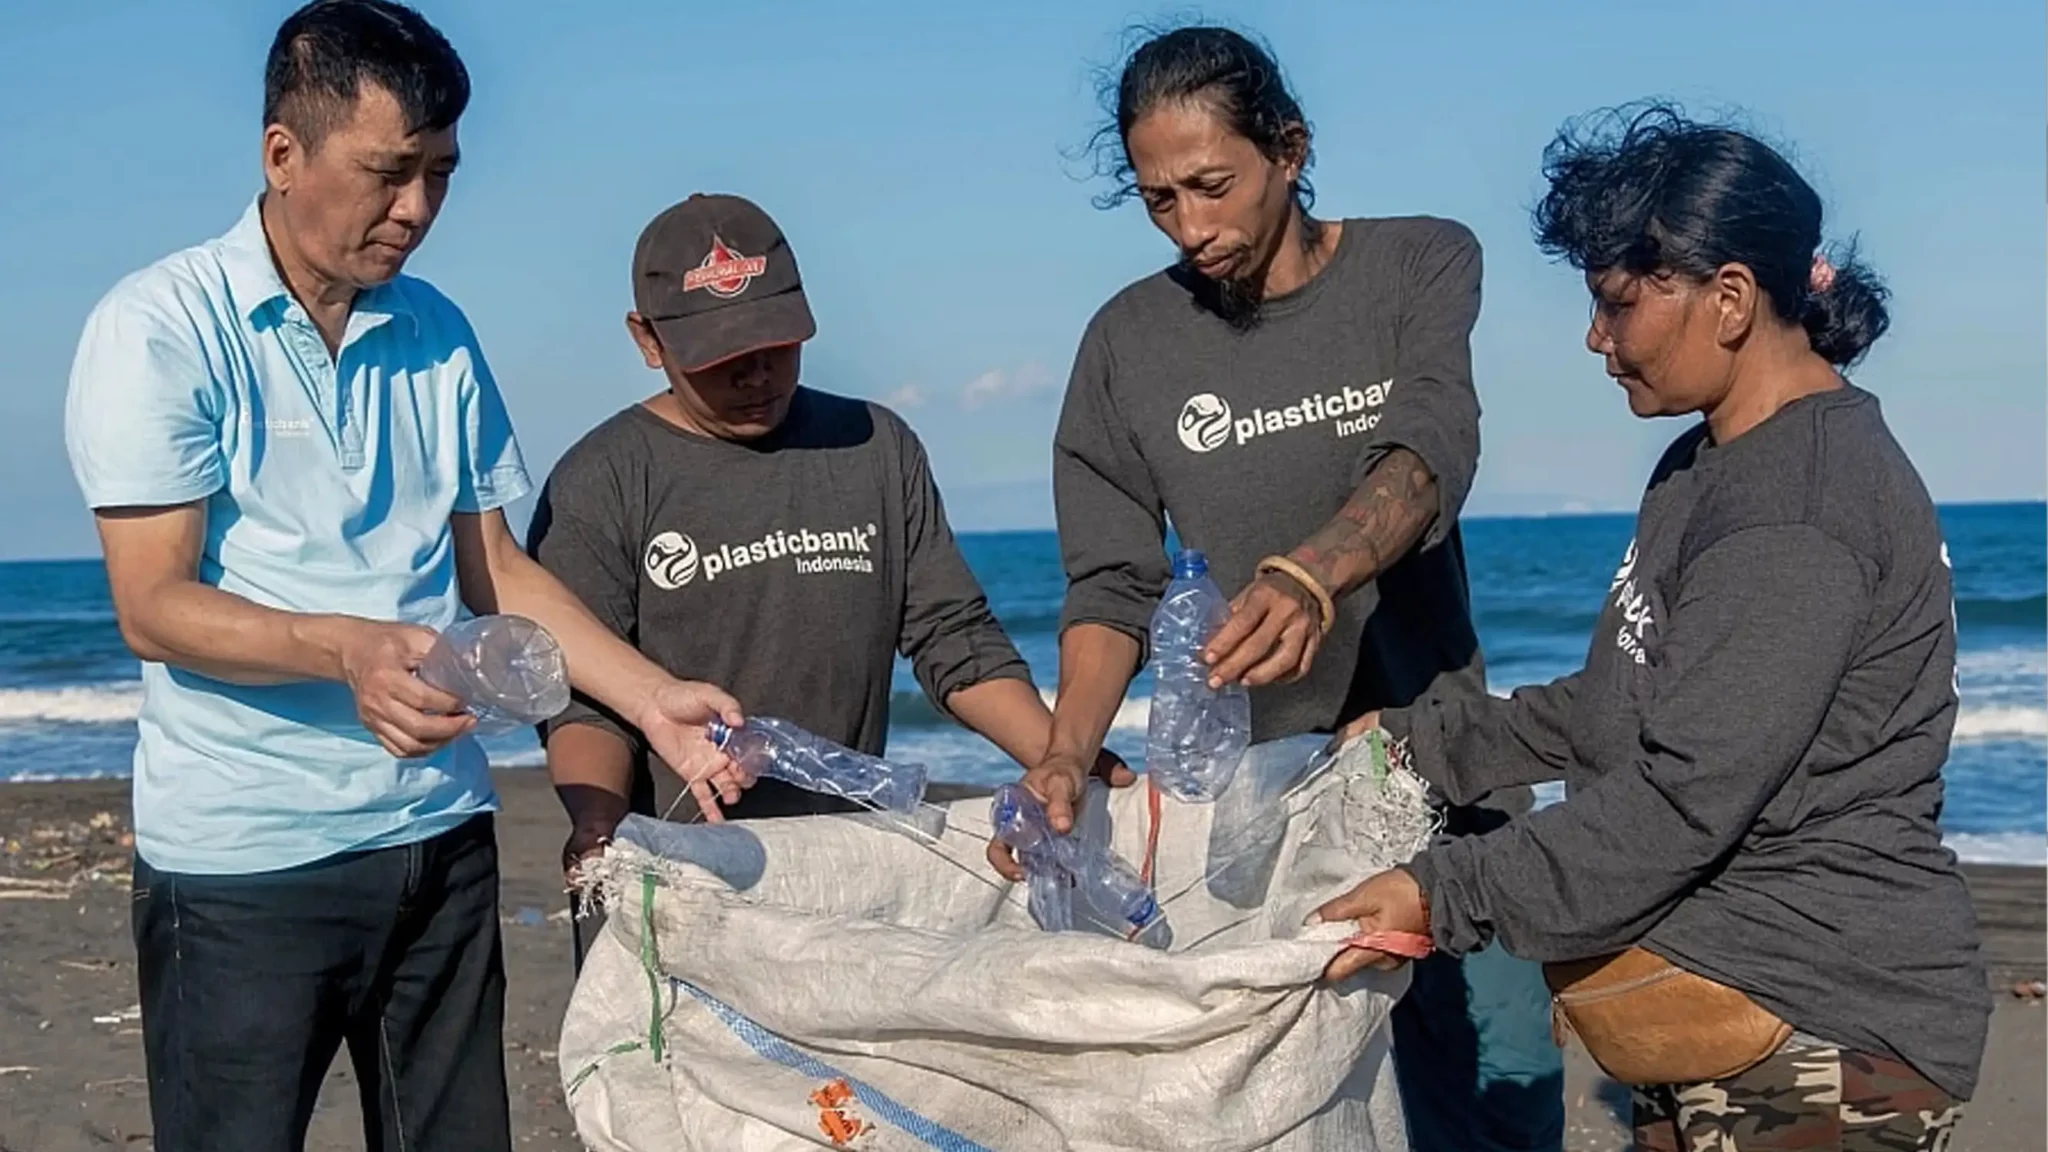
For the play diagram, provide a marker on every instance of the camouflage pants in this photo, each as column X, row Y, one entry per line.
column 1804, row 1097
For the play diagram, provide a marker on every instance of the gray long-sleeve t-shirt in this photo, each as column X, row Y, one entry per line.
column 1752, row 751
column 789, row 570
column 1251, row 441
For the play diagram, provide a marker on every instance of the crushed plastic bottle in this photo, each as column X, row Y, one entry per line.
column 507, row 671
column 1059, row 866
column 767, row 746
column 1249, row 820
column 1196, row 734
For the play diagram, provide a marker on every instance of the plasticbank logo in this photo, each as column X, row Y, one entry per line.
column 282, row 427
column 1206, row 422
column 673, row 559
column 1638, row 618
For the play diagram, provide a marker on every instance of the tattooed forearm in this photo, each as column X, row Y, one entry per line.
column 1379, row 524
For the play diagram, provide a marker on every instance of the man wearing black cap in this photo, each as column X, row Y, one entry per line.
column 782, row 542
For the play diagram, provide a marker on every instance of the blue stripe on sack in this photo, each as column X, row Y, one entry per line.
column 775, row 1048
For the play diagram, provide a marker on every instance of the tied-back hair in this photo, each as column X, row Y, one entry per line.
column 1217, row 68
column 1645, row 190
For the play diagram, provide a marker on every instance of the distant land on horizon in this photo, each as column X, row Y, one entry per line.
column 1511, row 508
column 1026, row 506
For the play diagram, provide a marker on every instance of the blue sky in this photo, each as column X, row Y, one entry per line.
column 920, row 156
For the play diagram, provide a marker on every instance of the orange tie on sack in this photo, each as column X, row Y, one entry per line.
column 1413, row 945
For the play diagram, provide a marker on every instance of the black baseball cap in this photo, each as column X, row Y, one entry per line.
column 716, row 279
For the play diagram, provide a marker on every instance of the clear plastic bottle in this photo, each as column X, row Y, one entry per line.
column 1196, row 734
column 767, row 746
column 507, row 671
column 1059, row 866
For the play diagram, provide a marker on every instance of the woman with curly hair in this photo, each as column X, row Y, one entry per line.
column 1743, row 905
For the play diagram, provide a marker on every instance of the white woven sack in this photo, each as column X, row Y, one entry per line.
column 836, row 981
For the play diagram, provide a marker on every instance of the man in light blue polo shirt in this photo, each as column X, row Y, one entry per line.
column 298, row 462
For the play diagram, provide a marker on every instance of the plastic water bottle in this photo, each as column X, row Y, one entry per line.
column 1249, row 821
column 1059, row 866
column 767, row 746
column 507, row 671
column 1196, row 734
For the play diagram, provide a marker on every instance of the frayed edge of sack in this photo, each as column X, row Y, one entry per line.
column 608, row 880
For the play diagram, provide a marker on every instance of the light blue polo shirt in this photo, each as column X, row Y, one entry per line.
column 328, row 484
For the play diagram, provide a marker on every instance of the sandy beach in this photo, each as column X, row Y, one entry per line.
column 70, row 1045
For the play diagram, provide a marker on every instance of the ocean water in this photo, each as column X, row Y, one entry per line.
column 69, row 693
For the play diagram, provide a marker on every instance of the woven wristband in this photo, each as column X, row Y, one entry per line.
column 1325, row 606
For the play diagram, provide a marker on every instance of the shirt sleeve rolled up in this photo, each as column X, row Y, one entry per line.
column 949, row 635
column 1432, row 408
column 1112, row 522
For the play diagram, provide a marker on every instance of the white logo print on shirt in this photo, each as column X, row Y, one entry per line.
column 1206, row 424
column 672, row 559
column 1955, row 672
column 1636, row 617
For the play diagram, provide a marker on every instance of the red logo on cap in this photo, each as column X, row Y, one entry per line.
column 724, row 272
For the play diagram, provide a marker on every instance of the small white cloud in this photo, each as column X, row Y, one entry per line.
column 908, row 396
column 982, row 389
column 999, row 384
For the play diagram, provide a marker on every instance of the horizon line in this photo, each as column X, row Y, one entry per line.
column 1478, row 517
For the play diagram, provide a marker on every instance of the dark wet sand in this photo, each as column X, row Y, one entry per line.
column 71, row 1053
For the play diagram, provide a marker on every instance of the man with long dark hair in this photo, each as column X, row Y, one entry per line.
column 299, row 462
column 1296, row 396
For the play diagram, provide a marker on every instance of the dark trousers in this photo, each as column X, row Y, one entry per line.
column 1474, row 1058
column 1473, row 1053
column 251, row 984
